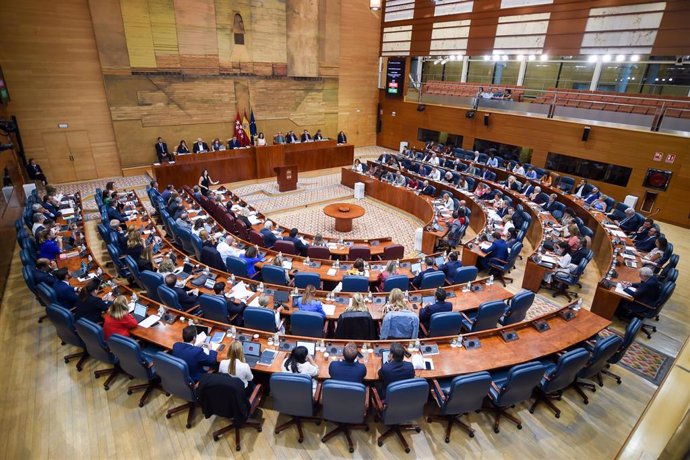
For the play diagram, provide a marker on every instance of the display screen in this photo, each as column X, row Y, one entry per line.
column 395, row 77
column 658, row 179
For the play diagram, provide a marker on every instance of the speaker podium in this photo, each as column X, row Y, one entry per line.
column 287, row 177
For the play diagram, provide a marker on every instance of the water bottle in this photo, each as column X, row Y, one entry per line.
column 296, row 291
column 371, row 297
column 322, row 345
column 306, row 260
column 407, row 296
column 233, row 332
column 337, row 263
column 276, row 339
column 135, row 297
column 190, row 322
column 261, row 287
column 491, row 280
column 417, row 344
column 365, row 353
column 232, row 279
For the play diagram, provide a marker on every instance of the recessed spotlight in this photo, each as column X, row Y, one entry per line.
column 635, row 58
column 487, row 57
column 544, row 57
column 495, row 57
column 606, row 58
column 620, row 58
column 532, row 57
column 670, row 79
column 520, row 57
column 656, row 79
column 593, row 58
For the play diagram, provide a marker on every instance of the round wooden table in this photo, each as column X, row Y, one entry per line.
column 343, row 214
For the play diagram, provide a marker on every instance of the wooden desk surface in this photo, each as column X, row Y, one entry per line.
column 343, row 210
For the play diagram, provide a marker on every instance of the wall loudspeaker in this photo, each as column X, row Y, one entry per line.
column 486, row 119
column 585, row 133
column 421, row 107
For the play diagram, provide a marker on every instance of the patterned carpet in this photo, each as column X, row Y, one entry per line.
column 648, row 363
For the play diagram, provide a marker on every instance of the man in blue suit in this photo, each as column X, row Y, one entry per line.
column 301, row 247
column 497, row 250
column 429, row 264
column 187, row 300
column 630, row 222
column 42, row 273
column 64, row 292
column 267, row 232
column 648, row 242
column 348, row 370
column 593, row 195
column 440, row 306
column 196, row 357
column 395, row 369
column 646, row 291
column 115, row 211
column 451, row 265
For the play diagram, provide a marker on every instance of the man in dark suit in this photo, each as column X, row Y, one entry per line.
column 440, row 306
column 383, row 158
column 196, row 357
column 552, row 204
column 427, row 189
column 64, row 292
column 579, row 252
column 301, row 247
column 233, row 143
column 187, row 300
column 306, row 137
column 342, row 138
column 318, row 136
column 291, row 137
column 648, row 242
column 395, row 369
column 630, row 222
column 592, row 196
column 579, row 190
column 200, row 146
column 527, row 189
column 211, row 257
column 35, row 172
column 348, row 370
column 646, row 291
column 451, row 265
column 267, row 232
column 641, row 233
column 167, row 192
column 115, row 211
column 429, row 267
column 162, row 151
column 497, row 250
column 42, row 273
column 117, row 236
column 235, row 309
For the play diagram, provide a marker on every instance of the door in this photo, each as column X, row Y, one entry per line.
column 69, row 156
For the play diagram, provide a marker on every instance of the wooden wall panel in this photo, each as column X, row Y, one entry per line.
column 267, row 29
column 302, row 38
column 329, row 37
column 110, row 34
column 164, row 33
column 196, row 35
column 631, row 148
column 135, row 15
column 52, row 68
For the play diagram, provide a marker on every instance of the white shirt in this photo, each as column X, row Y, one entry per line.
column 435, row 161
column 226, row 250
column 493, row 162
column 260, row 141
column 358, row 168
column 242, row 370
column 519, row 170
column 435, row 175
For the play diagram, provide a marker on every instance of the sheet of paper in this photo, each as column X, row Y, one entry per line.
column 621, row 290
column 331, row 272
column 150, row 321
column 240, row 291
column 254, row 220
column 328, row 308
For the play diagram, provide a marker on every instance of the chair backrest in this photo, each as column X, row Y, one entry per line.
column 92, row 335
column 432, row 280
column 236, row 266
column 27, row 257
column 63, row 320
column 630, row 333
column 319, row 252
column 359, row 252
column 304, row 279
column 259, row 318
column 393, row 252
column 356, row 326
column 212, row 258
column 174, row 375
column 401, row 282
column 671, row 275
column 604, row 349
column 517, row 308
column 291, row 394
column 169, row 297
column 488, row 315
column 519, row 385
column 186, row 238
column 274, row 275
column 464, row 275
column 133, row 269
column 286, row 247
column 445, row 323
column 30, row 280
column 214, row 308
column 355, row 283
column 128, row 352
column 467, row 392
column 256, row 238
column 151, row 281
column 405, row 400
column 46, row 294
column 307, row 324
column 567, row 367
column 196, row 245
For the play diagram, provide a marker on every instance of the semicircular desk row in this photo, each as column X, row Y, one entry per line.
column 534, row 342
column 607, row 236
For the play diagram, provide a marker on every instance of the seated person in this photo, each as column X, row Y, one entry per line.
column 654, row 256
column 309, row 302
column 646, row 291
column 599, row 204
column 439, row 306
column 49, row 244
column 498, row 251
column 236, row 366
column 348, row 369
column 398, row 321
column 278, row 262
column 643, row 230
column 647, row 243
column 395, row 369
column 197, row 358
column 357, row 268
column 299, row 245
column 187, row 300
column 267, row 232
column 216, row 145
column 546, row 179
column 118, row 319
column 451, row 265
column 427, row 189
column 630, row 222
column 65, row 294
column 390, row 270
column 530, row 173
column 89, row 305
column 357, row 167
column 235, row 308
column 42, row 272
column 564, row 264
column 435, row 174
column 448, row 203
column 593, row 195
column 252, row 257
column 300, row 362
column 135, row 249
column 428, row 268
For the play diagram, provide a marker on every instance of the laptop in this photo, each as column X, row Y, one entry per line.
column 416, row 268
column 428, row 300
column 281, row 297
column 186, row 272
column 139, row 312
column 440, row 260
column 81, row 272
column 252, row 353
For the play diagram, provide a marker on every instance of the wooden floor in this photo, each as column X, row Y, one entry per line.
column 49, row 410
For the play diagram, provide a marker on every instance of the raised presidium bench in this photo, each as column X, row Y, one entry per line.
column 343, row 214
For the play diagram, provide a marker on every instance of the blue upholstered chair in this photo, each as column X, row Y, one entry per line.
column 214, row 308
column 176, row 381
column 464, row 275
column 558, row 376
column 443, row 324
column 405, row 400
column 458, row 396
column 273, row 274
column 46, row 294
column 346, row 405
column 401, row 282
column 151, row 281
column 133, row 269
column 355, row 283
column 631, row 331
column 486, row 316
column 512, row 387
column 653, row 310
column 304, row 279
column 603, row 350
column 169, row 297
column 565, row 280
column 133, row 361
column 432, row 280
column 499, row 268
column 292, row 396
column 119, row 265
column 196, row 245
column 92, row 335
column 63, row 320
column 517, row 308
column 566, row 184
column 237, row 266
column 307, row 324
column 259, row 318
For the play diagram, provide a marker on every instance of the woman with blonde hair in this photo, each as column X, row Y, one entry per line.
column 265, row 302
column 390, row 270
column 136, row 249
column 309, row 302
column 236, row 365
column 118, row 320
column 166, row 266
column 398, row 321
column 357, row 304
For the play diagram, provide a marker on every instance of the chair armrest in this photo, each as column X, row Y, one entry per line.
column 644, row 305
column 495, row 387
column 317, row 393
column 423, row 330
column 376, row 400
column 255, row 398
column 465, row 317
column 499, row 260
column 437, row 392
column 366, row 401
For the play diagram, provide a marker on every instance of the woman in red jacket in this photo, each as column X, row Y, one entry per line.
column 118, row 320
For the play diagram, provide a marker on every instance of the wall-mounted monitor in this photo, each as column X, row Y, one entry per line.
column 657, row 179
column 395, row 77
